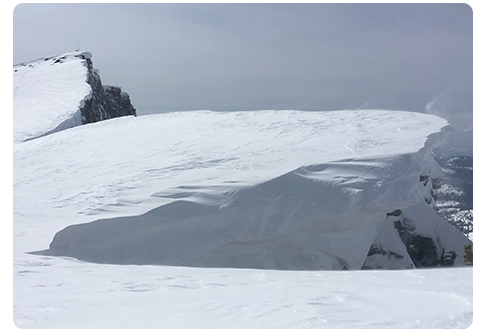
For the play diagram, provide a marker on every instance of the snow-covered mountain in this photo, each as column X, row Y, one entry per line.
column 264, row 189
column 58, row 92
column 283, row 190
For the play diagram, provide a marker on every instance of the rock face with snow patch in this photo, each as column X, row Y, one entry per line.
column 296, row 221
column 106, row 101
column 55, row 93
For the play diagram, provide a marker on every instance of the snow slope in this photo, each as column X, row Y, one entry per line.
column 47, row 94
column 264, row 189
column 267, row 170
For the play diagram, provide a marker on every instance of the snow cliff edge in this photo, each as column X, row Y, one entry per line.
column 290, row 190
column 59, row 92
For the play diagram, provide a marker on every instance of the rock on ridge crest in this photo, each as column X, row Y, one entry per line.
column 105, row 101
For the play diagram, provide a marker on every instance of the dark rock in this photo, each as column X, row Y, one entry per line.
column 376, row 249
column 60, row 60
column 423, row 251
column 404, row 225
column 395, row 213
column 448, row 258
column 106, row 102
column 436, row 183
column 392, row 254
column 424, row 179
column 120, row 100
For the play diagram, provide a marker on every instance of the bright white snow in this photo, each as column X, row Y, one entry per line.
column 64, row 293
column 47, row 94
column 310, row 189
column 363, row 163
column 128, row 166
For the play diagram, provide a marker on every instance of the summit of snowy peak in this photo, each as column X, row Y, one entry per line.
column 55, row 59
column 54, row 93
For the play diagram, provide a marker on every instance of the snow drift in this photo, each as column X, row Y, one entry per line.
column 58, row 92
column 262, row 189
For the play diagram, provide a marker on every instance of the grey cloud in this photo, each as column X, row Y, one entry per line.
column 266, row 56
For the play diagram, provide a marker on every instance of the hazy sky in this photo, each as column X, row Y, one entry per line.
column 170, row 57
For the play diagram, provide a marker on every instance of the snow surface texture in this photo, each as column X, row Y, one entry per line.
column 264, row 189
column 54, row 292
column 280, row 167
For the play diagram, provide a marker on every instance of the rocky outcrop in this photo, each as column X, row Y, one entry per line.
column 105, row 101
column 120, row 100
column 405, row 241
column 279, row 224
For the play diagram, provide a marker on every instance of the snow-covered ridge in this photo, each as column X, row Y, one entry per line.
column 261, row 189
column 58, row 92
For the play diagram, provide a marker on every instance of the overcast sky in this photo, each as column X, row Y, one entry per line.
column 172, row 57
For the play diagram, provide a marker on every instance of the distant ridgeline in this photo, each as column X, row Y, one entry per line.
column 454, row 198
column 55, row 93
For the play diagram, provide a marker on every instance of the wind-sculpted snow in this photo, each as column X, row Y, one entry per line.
column 262, row 189
column 265, row 189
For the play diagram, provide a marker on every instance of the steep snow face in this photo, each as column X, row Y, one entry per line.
column 263, row 189
column 55, row 93
column 47, row 93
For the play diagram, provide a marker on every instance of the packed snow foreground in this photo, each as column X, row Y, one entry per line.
column 283, row 190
